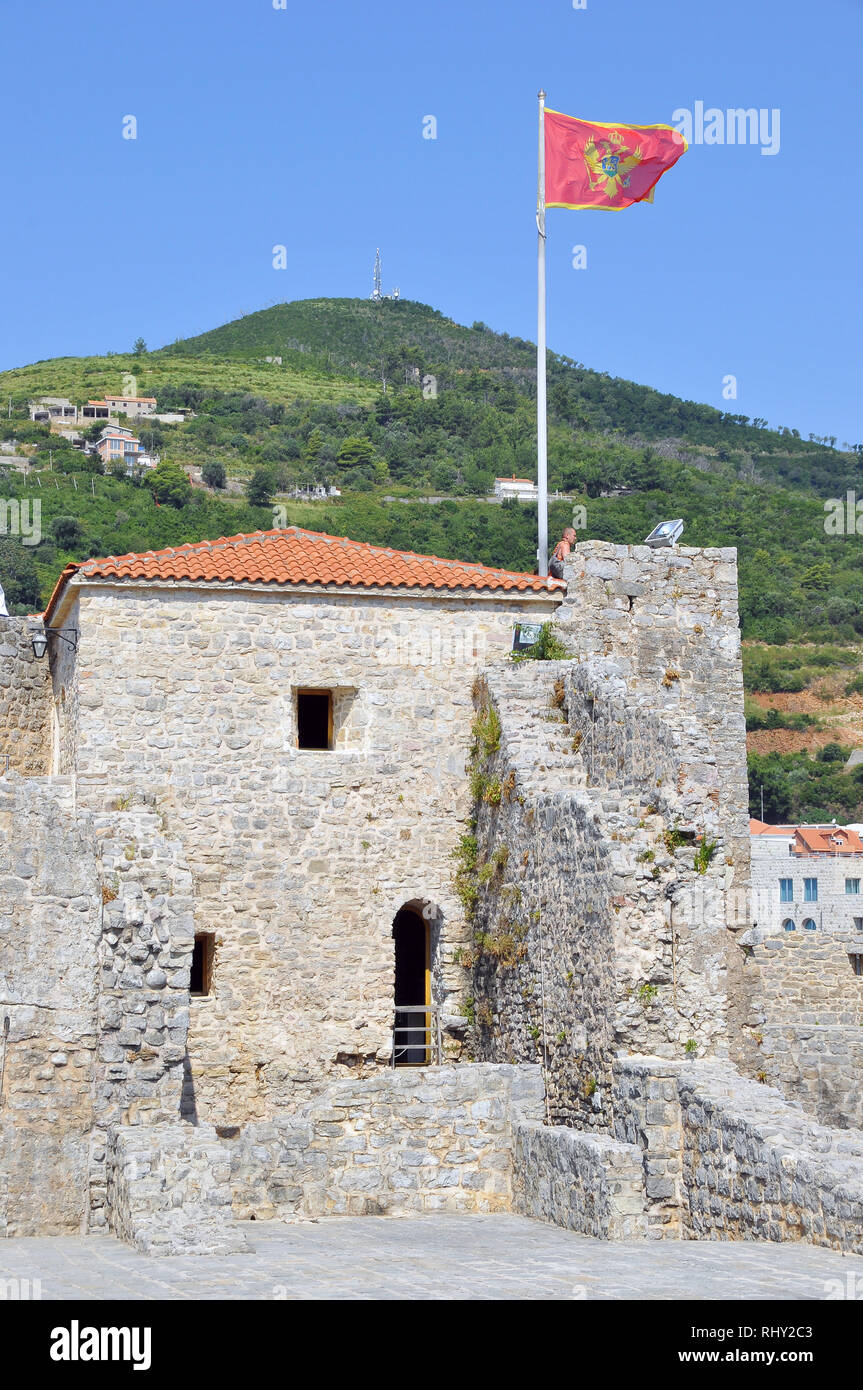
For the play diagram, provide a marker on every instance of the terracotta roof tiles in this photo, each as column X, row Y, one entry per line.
column 293, row 556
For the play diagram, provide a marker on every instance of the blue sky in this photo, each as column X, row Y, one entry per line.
column 303, row 127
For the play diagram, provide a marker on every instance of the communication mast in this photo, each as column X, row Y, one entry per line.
column 377, row 293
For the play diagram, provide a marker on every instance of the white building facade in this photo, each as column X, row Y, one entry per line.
column 807, row 878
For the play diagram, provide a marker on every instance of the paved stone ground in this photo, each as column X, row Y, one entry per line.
column 437, row 1257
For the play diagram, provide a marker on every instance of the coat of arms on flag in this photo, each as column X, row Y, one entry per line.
column 592, row 165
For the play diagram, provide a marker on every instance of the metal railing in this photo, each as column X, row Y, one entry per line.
column 417, row 1044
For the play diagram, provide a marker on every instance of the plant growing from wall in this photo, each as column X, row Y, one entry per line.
column 704, row 855
column 673, row 837
column 647, row 994
column 547, row 647
column 465, row 880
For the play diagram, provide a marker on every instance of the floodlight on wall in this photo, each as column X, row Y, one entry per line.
column 667, row 533
column 39, row 641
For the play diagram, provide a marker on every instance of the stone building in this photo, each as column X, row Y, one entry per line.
column 272, row 797
column 807, row 878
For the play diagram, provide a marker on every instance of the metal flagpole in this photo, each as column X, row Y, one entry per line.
column 541, row 421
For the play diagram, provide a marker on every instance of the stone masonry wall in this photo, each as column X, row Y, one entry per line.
column 584, row 1182
column 299, row 859
column 725, row 1157
column 169, row 1190
column 25, row 701
column 593, row 929
column 668, row 619
column 409, row 1140
column 145, row 955
column 49, row 933
column 806, row 1019
column 95, row 947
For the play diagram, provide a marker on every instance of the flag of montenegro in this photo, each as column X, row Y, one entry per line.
column 592, row 165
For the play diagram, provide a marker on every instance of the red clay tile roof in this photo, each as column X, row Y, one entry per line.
column 293, row 556
column 827, row 840
column 760, row 827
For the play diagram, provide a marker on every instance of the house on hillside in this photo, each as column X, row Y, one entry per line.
column 133, row 406
column 53, row 410
column 117, row 444
column 520, row 488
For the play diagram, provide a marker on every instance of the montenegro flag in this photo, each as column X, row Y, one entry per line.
column 592, row 165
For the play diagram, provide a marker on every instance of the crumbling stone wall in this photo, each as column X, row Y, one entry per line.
column 596, row 926
column 669, row 620
column 25, row 701
column 169, row 1190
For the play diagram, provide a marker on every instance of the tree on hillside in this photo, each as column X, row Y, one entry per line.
column 140, row 347
column 168, row 482
column 18, row 576
column 260, row 488
column 213, row 473
column 67, row 531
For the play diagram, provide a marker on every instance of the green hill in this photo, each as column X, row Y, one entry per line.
column 412, row 416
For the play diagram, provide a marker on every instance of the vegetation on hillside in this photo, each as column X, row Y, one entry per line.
column 412, row 416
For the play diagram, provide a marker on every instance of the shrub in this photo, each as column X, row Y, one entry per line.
column 213, row 473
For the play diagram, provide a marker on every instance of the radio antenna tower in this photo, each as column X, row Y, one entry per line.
column 376, row 292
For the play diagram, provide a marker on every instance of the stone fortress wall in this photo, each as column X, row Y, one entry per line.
column 25, row 701
column 299, row 859
column 182, row 805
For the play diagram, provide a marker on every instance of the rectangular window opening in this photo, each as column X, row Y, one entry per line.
column 857, row 964
column 786, row 890
column 810, row 890
column 314, row 719
column 852, row 885
column 201, row 979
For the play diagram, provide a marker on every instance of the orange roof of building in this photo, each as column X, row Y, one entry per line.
column 293, row 556
column 828, row 839
column 760, row 827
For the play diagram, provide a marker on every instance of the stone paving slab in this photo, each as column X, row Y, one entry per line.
column 431, row 1257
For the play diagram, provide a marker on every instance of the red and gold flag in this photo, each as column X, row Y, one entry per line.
column 592, row 165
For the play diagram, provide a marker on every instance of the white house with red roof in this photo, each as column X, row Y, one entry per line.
column 523, row 489
column 807, row 878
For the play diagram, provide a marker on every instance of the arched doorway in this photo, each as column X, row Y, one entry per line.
column 412, row 1038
